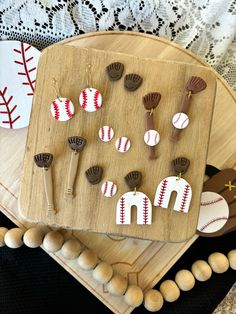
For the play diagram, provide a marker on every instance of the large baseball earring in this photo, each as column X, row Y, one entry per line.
column 62, row 109
column 151, row 137
column 134, row 198
column 177, row 184
column 90, row 98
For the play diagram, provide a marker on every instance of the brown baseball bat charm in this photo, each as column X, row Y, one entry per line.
column 44, row 160
column 77, row 144
column 194, row 85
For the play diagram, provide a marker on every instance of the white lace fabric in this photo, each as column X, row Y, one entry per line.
column 206, row 27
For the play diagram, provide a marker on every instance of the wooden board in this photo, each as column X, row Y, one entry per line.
column 143, row 262
column 122, row 110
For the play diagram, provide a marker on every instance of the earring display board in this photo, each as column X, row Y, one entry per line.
column 142, row 262
column 124, row 111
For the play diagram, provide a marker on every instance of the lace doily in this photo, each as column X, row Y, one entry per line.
column 206, row 27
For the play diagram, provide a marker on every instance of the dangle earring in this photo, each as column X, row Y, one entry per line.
column 90, row 98
column 136, row 198
column 62, row 109
column 177, row 184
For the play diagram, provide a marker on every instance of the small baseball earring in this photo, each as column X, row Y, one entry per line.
column 151, row 137
column 180, row 120
column 90, row 98
column 177, row 184
column 134, row 198
column 62, row 109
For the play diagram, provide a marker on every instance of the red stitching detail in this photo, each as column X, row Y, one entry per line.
column 85, row 99
column 126, row 144
column 212, row 202
column 213, row 220
column 112, row 188
column 95, row 100
column 185, row 196
column 67, row 107
column 8, row 112
column 105, row 188
column 27, row 71
column 122, row 210
column 109, row 133
column 103, row 133
column 56, row 109
column 145, row 210
column 162, row 192
column 119, row 144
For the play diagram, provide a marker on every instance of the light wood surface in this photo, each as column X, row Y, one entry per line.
column 122, row 110
column 140, row 261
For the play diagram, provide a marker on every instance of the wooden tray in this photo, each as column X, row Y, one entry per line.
column 143, row 262
column 89, row 209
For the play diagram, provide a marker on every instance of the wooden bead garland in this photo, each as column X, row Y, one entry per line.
column 3, row 231
column 185, row 280
column 133, row 296
column 13, row 238
column 117, row 285
column 103, row 272
column 153, row 300
column 169, row 290
column 218, row 262
column 201, row 270
column 232, row 259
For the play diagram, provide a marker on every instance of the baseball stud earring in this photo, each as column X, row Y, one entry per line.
column 90, row 98
column 175, row 184
column 151, row 137
column 134, row 198
column 77, row 144
column 181, row 120
column 62, row 109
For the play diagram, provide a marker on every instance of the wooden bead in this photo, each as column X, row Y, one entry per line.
column 218, row 262
column 33, row 237
column 103, row 272
column 13, row 238
column 3, row 231
column 133, row 296
column 201, row 270
column 169, row 290
column 53, row 241
column 87, row 259
column 117, row 285
column 185, row 280
column 232, row 259
column 71, row 249
column 153, row 300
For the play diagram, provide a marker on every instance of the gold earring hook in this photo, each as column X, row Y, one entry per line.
column 55, row 85
column 179, row 176
column 89, row 76
column 135, row 191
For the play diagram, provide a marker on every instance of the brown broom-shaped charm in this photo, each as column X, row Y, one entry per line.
column 77, row 144
column 151, row 137
column 44, row 160
column 180, row 120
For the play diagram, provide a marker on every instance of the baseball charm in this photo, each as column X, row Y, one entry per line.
column 123, row 144
column 109, row 188
column 62, row 109
column 214, row 212
column 106, row 133
column 180, row 120
column 90, row 99
column 151, row 137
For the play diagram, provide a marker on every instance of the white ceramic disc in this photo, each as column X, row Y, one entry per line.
column 109, row 188
column 90, row 99
column 62, row 109
column 180, row 120
column 151, row 137
column 106, row 133
column 123, row 144
column 18, row 64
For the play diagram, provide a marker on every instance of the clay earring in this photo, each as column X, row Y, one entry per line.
column 151, row 137
column 90, row 98
column 180, row 120
column 77, row 144
column 94, row 174
column 44, row 160
column 138, row 199
column 62, row 109
column 132, row 82
column 115, row 71
column 177, row 184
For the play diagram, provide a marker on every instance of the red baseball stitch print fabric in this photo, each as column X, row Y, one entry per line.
column 18, row 65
